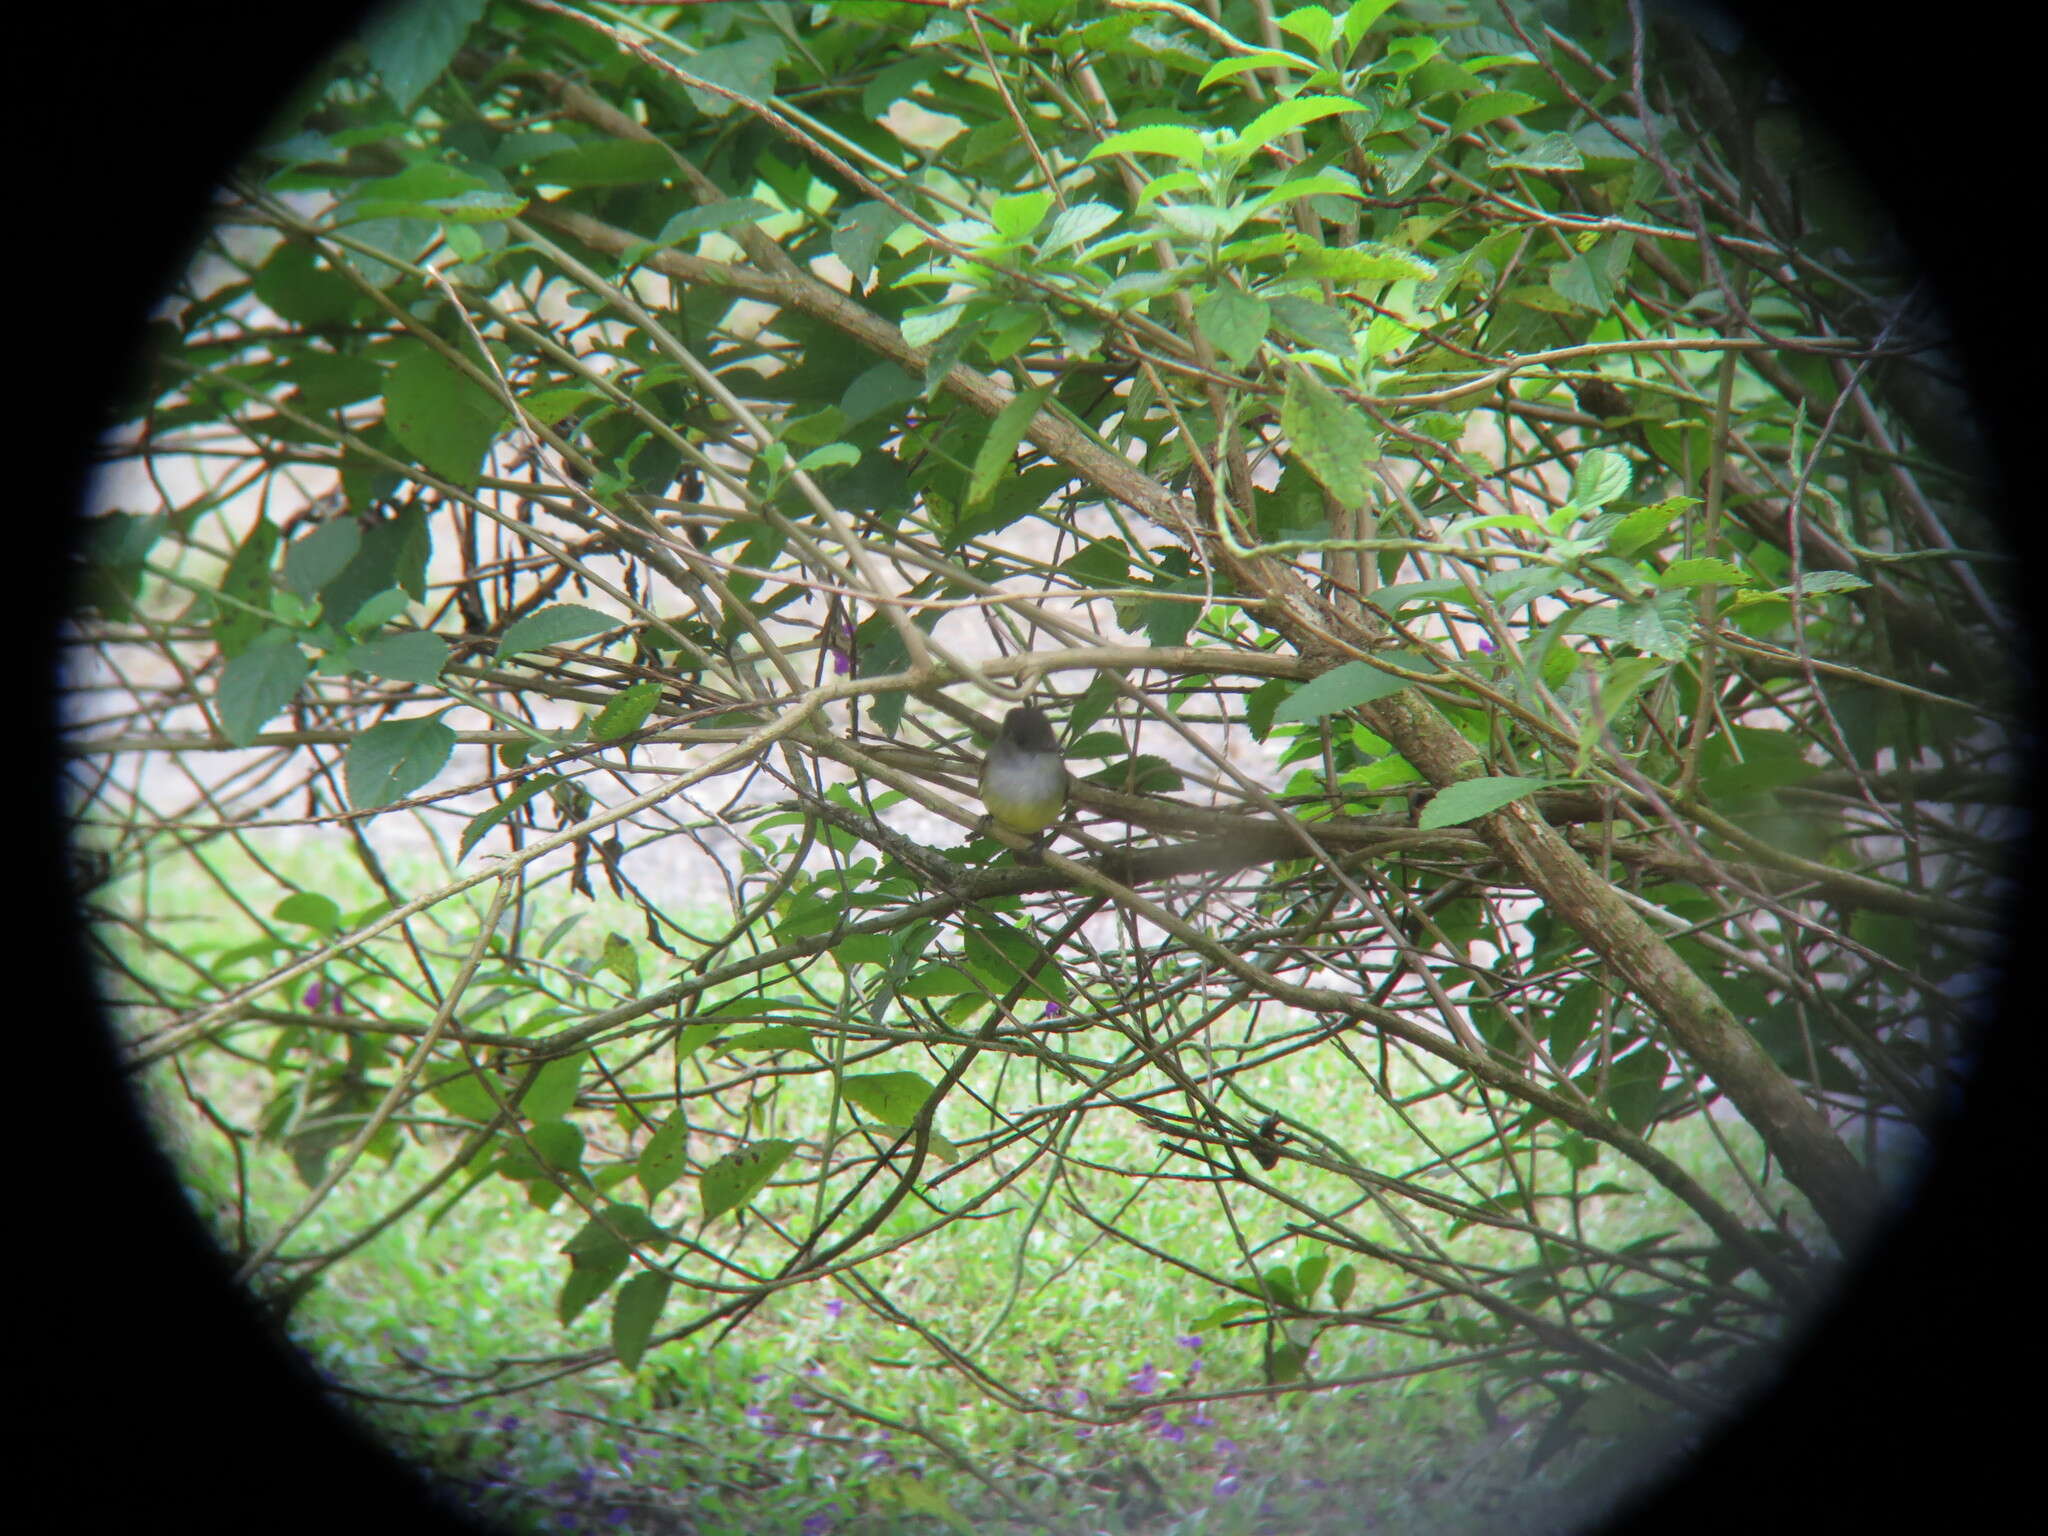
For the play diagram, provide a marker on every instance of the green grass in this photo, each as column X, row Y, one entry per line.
column 833, row 1406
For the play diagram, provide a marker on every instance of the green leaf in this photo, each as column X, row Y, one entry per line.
column 635, row 1313
column 607, row 163
column 1312, row 24
column 737, row 1177
column 1265, row 58
column 1339, row 689
column 660, row 1162
column 1365, row 263
column 1488, row 105
column 316, row 559
column 258, row 683
column 857, row 239
column 892, row 1098
column 1182, row 144
column 1341, row 1284
column 923, row 327
column 1313, row 325
column 442, row 415
column 1544, row 152
column 1286, row 116
column 552, row 625
column 309, row 910
column 999, row 449
column 726, row 213
column 1018, row 214
column 553, row 1093
column 1815, row 582
column 1467, row 801
column 621, row 960
column 1635, row 1085
column 410, row 45
column 1601, row 476
column 481, row 824
column 1639, row 530
column 1234, row 322
column 746, row 68
column 412, row 657
column 1077, row 222
column 627, row 711
column 1332, row 438
column 389, row 761
column 1703, row 572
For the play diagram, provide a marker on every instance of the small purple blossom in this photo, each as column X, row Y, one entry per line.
column 322, row 997
column 817, row 1524
column 834, row 1305
column 1144, row 1382
column 1227, row 1482
column 1189, row 1340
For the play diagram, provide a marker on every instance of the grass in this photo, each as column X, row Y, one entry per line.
column 834, row 1406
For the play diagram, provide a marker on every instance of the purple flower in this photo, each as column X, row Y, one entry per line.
column 1226, row 1447
column 833, row 1307
column 1201, row 1417
column 321, row 997
column 1146, row 1381
column 817, row 1524
column 1488, row 646
column 1189, row 1341
column 1052, row 1011
column 1163, row 1427
column 842, row 663
column 1227, row 1483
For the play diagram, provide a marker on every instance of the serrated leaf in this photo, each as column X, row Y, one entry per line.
column 737, row 1177
column 257, row 684
column 1704, row 572
column 627, row 711
column 552, row 625
column 660, row 1162
column 892, row 1098
column 927, row 326
column 1459, row 803
column 1545, row 152
column 1076, row 223
column 1332, row 438
column 1265, row 58
column 1600, row 477
column 1286, row 116
column 1234, row 322
column 634, row 1314
column 1824, row 581
column 1313, row 324
column 1638, row 531
column 389, row 761
column 1182, row 144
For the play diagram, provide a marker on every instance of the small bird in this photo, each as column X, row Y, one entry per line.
column 1023, row 780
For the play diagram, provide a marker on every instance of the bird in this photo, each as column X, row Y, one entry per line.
column 1023, row 780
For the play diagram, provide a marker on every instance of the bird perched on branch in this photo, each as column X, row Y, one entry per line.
column 1023, row 780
